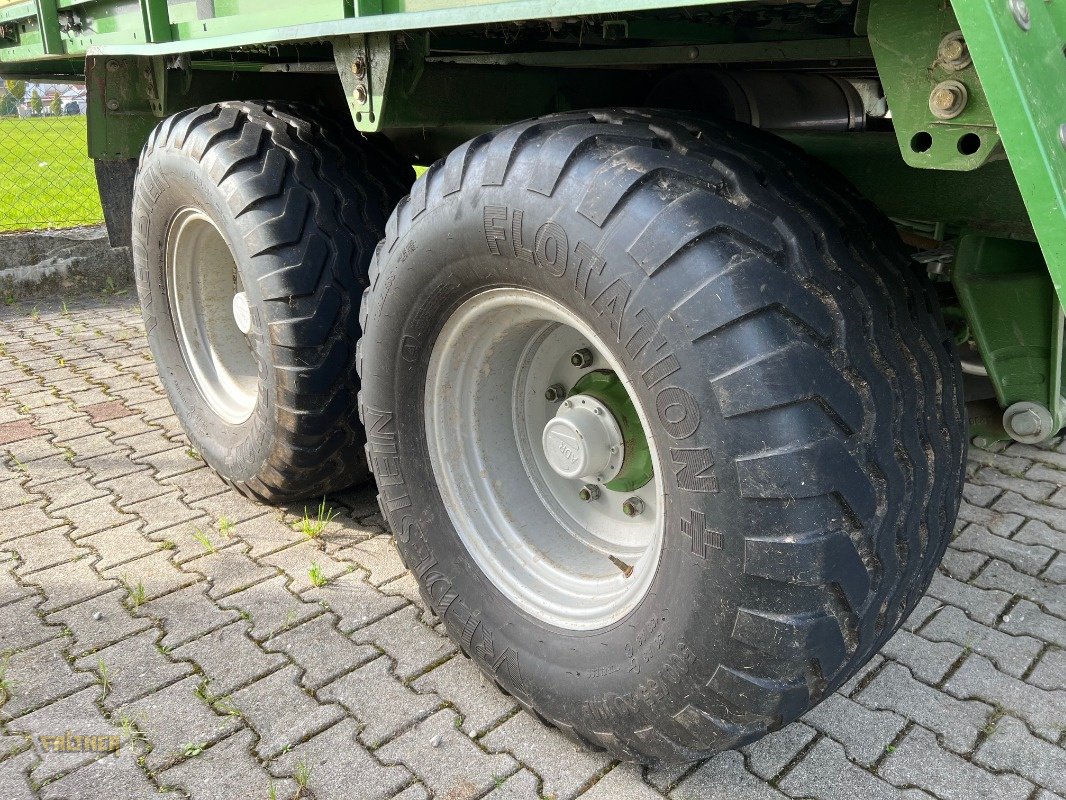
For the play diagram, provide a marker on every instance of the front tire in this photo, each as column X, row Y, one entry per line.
column 793, row 378
column 253, row 226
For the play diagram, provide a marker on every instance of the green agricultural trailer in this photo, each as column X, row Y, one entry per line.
column 667, row 363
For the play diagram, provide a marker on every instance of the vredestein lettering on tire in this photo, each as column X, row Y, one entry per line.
column 794, row 386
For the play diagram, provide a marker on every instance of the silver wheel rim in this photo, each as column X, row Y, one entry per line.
column 573, row 563
column 209, row 310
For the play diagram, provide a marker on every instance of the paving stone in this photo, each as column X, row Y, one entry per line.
column 42, row 550
column 1011, row 748
column 155, row 572
column 71, row 491
column 413, row 645
column 282, row 713
column 354, row 600
column 1029, row 486
column 962, row 565
column 296, row 562
column 1027, row 509
column 1035, row 532
column 229, row 571
column 225, row 771
column 772, row 753
column 724, row 778
column 1011, row 654
column 379, row 557
column 865, row 733
column 957, row 723
column 826, row 774
column 624, row 782
column 928, row 661
column 174, row 717
column 1044, row 711
column 377, row 698
column 14, row 780
column 88, row 632
column 183, row 541
column 1041, row 592
column 161, row 512
column 998, row 521
column 187, row 614
column 76, row 713
column 229, row 658
column 104, row 779
column 118, row 545
column 862, row 676
column 96, row 516
column 14, row 495
column 201, row 482
column 271, row 607
column 69, row 583
column 111, row 467
column 982, row 604
column 1050, row 672
column 38, row 676
column 136, row 486
column 523, row 785
column 26, row 519
column 341, row 768
column 133, row 667
column 446, row 760
column 564, row 767
column 10, row 589
column 320, row 650
column 1027, row 558
column 477, row 699
column 919, row 760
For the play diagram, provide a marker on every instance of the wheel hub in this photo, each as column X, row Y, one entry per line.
column 583, row 440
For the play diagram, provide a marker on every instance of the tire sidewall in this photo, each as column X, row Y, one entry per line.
column 168, row 182
column 644, row 666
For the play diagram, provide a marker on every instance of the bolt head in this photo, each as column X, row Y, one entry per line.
column 581, row 358
column 112, row 105
column 554, row 393
column 359, row 68
column 944, row 98
column 588, row 492
column 948, row 99
column 633, row 507
column 360, row 95
column 952, row 49
column 1025, row 423
column 1020, row 11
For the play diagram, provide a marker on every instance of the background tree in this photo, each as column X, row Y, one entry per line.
column 56, row 106
column 16, row 89
column 36, row 105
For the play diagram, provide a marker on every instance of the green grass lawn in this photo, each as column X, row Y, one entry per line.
column 46, row 178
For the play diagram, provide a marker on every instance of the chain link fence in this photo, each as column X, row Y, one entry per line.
column 46, row 178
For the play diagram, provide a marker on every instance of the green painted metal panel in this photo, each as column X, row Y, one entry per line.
column 1023, row 70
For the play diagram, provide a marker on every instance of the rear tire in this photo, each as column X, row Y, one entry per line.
column 801, row 395
column 282, row 206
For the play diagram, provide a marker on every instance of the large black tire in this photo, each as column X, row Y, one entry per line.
column 806, row 400
column 301, row 199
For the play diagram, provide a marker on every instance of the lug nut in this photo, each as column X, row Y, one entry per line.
column 582, row 358
column 633, row 507
column 555, row 393
column 588, row 492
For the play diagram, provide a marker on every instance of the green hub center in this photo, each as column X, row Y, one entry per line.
column 605, row 386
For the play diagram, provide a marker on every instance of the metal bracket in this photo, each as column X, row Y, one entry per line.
column 939, row 110
column 1017, row 323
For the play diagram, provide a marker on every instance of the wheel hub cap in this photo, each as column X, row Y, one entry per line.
column 583, row 441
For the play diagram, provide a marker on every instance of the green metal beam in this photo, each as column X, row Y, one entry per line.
column 1018, row 49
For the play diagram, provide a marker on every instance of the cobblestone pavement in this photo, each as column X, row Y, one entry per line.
column 236, row 657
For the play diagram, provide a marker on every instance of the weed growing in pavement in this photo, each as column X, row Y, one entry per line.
column 7, row 690
column 105, row 675
column 68, row 455
column 316, row 576
column 193, row 454
column 204, row 540
column 35, row 314
column 167, row 544
column 193, row 749
column 225, row 527
column 302, row 774
column 135, row 594
column 312, row 526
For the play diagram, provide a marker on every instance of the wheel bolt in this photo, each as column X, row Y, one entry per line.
column 581, row 358
column 633, row 507
column 589, row 492
column 555, row 393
